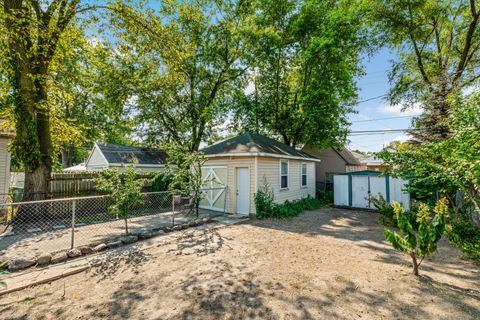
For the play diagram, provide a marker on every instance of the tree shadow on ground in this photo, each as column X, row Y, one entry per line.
column 109, row 264
column 201, row 241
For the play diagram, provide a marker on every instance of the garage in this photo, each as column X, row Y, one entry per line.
column 354, row 189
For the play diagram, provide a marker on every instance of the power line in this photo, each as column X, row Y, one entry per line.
column 373, row 98
column 388, row 118
column 383, row 131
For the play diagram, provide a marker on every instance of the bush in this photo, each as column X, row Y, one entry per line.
column 161, row 182
column 466, row 237
column 387, row 214
column 267, row 208
column 325, row 197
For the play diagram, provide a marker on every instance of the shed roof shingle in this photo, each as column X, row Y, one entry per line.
column 254, row 143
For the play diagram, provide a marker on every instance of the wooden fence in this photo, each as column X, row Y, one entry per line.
column 64, row 184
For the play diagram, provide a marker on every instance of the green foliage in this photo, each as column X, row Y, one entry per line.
column 304, row 57
column 437, row 45
column 387, row 213
column 267, row 208
column 161, row 182
column 185, row 168
column 124, row 190
column 325, row 197
column 443, row 167
column 430, row 230
column 188, row 53
column 466, row 237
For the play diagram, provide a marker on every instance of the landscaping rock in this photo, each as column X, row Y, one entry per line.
column 19, row 263
column 177, row 228
column 114, row 244
column 59, row 257
column 73, row 253
column 44, row 259
column 100, row 247
column 145, row 234
column 86, row 250
column 129, row 239
column 205, row 220
column 159, row 232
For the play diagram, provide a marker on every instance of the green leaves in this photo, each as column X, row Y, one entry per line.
column 303, row 57
column 424, row 241
column 124, row 190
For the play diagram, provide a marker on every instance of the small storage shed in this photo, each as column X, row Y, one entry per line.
column 354, row 189
column 236, row 168
column 115, row 156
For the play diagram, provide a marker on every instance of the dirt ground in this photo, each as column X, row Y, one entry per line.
column 325, row 264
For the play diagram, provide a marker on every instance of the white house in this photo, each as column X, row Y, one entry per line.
column 115, row 156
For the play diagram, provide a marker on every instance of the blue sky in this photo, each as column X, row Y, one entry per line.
column 374, row 84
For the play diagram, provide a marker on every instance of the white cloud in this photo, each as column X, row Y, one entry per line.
column 396, row 110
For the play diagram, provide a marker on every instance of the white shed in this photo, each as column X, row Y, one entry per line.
column 236, row 168
column 354, row 189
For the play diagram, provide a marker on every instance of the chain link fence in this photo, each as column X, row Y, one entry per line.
column 35, row 227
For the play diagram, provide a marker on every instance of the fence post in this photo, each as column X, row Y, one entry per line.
column 73, row 224
column 173, row 210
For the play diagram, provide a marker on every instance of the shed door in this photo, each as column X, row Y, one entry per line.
column 242, row 191
column 360, row 191
column 378, row 187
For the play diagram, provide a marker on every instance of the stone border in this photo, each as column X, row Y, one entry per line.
column 21, row 263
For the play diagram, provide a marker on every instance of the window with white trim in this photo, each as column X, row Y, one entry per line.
column 283, row 174
column 304, row 175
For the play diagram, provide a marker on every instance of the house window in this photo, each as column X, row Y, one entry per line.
column 283, row 174
column 304, row 174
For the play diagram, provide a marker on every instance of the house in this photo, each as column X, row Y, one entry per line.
column 333, row 161
column 5, row 137
column 236, row 168
column 115, row 156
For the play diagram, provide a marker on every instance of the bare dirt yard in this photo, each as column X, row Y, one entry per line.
column 325, row 264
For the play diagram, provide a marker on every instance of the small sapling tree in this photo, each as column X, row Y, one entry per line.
column 430, row 230
column 185, row 168
column 124, row 190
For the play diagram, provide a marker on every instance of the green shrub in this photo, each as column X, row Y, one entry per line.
column 161, row 182
column 466, row 237
column 325, row 197
column 264, row 202
column 385, row 209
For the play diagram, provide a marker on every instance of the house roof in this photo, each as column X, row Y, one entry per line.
column 116, row 153
column 348, row 156
column 254, row 145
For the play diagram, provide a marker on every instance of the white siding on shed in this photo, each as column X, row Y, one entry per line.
column 96, row 160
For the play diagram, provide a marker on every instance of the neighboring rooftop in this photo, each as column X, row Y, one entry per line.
column 252, row 143
column 116, row 153
column 349, row 157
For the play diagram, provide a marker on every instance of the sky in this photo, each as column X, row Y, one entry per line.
column 374, row 84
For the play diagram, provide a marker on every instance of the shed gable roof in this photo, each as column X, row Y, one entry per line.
column 116, row 153
column 252, row 143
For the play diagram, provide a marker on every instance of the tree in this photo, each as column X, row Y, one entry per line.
column 32, row 31
column 438, row 48
column 424, row 242
column 189, row 56
column 185, row 168
column 124, row 190
column 303, row 58
column 441, row 168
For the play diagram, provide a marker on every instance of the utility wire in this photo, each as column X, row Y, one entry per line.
column 373, row 98
column 388, row 118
